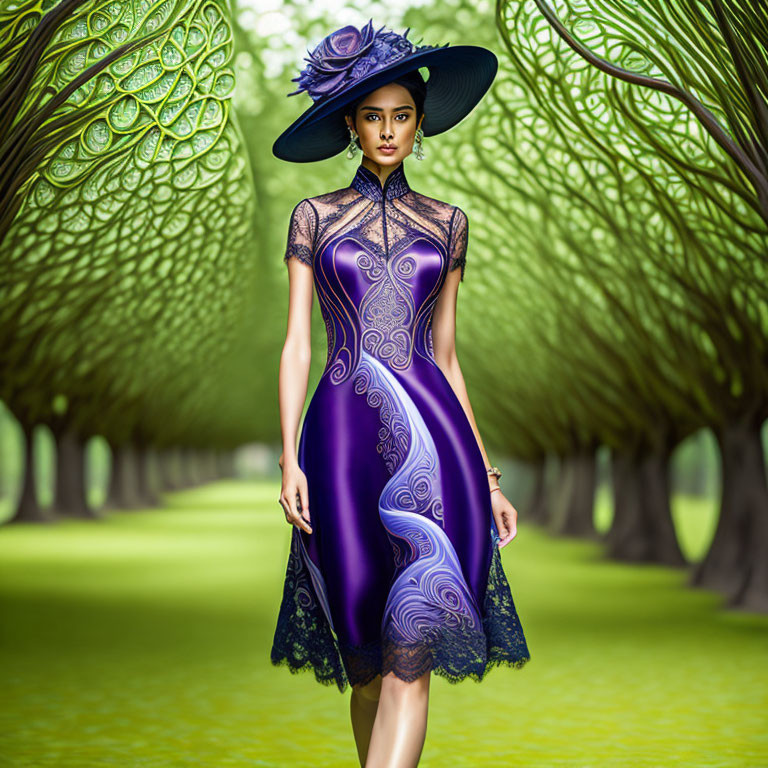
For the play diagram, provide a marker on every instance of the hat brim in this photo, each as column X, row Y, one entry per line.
column 459, row 77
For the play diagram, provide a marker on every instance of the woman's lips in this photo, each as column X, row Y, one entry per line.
column 387, row 150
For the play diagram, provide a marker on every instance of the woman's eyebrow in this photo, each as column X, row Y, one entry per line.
column 396, row 109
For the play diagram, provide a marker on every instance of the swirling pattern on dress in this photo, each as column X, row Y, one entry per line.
column 417, row 490
column 429, row 600
column 394, row 435
column 387, row 309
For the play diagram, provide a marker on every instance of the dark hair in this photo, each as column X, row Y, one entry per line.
column 413, row 82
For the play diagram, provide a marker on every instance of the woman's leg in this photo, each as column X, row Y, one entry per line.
column 362, row 710
column 401, row 723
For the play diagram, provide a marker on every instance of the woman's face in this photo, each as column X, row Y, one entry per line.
column 386, row 117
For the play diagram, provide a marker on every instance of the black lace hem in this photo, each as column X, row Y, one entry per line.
column 304, row 640
column 303, row 637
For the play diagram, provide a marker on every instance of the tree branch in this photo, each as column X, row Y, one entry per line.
column 756, row 102
column 705, row 117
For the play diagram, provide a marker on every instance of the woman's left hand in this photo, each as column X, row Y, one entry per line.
column 505, row 516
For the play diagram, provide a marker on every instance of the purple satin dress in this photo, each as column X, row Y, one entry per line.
column 401, row 572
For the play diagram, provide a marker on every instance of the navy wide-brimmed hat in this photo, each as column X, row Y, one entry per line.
column 351, row 62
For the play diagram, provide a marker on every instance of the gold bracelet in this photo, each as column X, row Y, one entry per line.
column 497, row 488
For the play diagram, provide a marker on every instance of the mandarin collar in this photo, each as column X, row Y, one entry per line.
column 367, row 183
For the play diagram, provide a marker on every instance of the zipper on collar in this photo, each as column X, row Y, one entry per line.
column 384, row 223
column 386, row 184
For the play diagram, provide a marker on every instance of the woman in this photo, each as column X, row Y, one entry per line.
column 394, row 570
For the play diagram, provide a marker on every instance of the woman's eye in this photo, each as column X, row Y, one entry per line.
column 372, row 115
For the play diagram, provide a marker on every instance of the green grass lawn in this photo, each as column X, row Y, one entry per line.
column 143, row 640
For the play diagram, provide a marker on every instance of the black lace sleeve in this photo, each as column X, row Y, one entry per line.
column 457, row 243
column 301, row 233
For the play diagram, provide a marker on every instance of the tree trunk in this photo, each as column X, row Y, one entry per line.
column 581, row 517
column 642, row 528
column 204, row 465
column 573, row 511
column 28, row 510
column 147, row 476
column 226, row 463
column 537, row 506
column 212, row 465
column 189, row 467
column 123, row 484
column 752, row 595
column 169, row 470
column 627, row 538
column 736, row 561
column 70, row 497
column 559, row 494
column 656, row 487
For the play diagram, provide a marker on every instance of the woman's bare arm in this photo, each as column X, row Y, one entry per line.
column 293, row 383
column 444, row 349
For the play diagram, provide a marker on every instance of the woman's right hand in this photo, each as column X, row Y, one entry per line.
column 294, row 497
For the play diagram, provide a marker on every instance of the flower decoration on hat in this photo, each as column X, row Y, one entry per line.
column 348, row 54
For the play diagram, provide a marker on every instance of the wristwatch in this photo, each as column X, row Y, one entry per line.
column 495, row 471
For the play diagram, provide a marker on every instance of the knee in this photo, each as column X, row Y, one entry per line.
column 371, row 691
column 400, row 688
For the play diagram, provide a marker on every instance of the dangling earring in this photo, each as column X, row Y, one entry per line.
column 417, row 146
column 352, row 148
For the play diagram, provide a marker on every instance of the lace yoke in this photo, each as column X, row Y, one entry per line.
column 386, row 220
